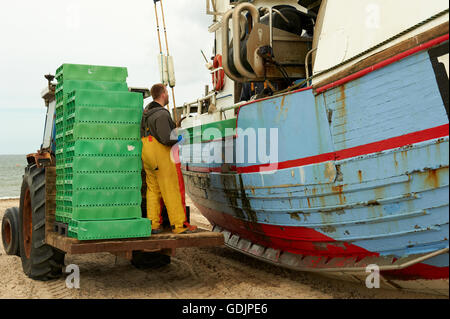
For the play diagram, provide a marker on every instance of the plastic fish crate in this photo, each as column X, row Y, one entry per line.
column 59, row 139
column 105, row 98
column 104, row 148
column 99, row 164
column 102, row 114
column 104, row 197
column 108, row 131
column 103, row 212
column 71, row 85
column 59, row 126
column 60, row 162
column 82, row 72
column 59, row 212
column 59, row 111
column 77, row 182
column 109, row 229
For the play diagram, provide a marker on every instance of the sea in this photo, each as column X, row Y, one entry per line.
column 11, row 171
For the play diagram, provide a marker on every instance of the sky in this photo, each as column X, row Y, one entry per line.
column 36, row 37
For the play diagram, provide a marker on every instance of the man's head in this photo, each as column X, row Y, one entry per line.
column 160, row 94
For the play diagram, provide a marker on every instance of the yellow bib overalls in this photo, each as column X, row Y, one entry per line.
column 165, row 184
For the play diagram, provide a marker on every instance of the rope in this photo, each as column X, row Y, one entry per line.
column 167, row 49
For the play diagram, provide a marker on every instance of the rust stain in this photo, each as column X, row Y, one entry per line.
column 432, row 178
column 343, row 100
column 379, row 192
column 309, row 203
column 330, row 172
column 282, row 111
column 295, row 216
column 360, row 176
column 395, row 160
column 282, row 102
column 328, row 229
column 322, row 200
column 342, row 91
column 339, row 190
column 404, row 155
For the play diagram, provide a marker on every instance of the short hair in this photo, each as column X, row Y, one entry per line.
column 157, row 90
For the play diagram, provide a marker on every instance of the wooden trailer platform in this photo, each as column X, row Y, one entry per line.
column 163, row 242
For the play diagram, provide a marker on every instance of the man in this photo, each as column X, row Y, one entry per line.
column 165, row 183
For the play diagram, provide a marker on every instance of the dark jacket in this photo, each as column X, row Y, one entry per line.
column 157, row 122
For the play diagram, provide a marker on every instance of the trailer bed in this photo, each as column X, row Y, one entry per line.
column 160, row 242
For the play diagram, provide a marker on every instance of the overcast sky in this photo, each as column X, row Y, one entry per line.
column 36, row 37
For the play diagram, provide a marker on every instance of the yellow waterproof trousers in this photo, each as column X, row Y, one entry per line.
column 165, row 184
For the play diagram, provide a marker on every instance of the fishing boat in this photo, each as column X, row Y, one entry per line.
column 322, row 142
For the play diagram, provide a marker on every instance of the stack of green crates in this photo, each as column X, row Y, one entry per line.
column 98, row 153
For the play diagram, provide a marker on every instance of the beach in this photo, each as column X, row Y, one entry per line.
column 193, row 273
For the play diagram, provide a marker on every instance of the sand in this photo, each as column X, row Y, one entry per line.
column 194, row 273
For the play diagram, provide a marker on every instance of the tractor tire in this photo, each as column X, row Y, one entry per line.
column 39, row 260
column 149, row 260
column 10, row 231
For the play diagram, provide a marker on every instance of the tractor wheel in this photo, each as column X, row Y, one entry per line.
column 39, row 260
column 10, row 231
column 149, row 260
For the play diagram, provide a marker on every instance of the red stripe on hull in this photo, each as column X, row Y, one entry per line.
column 306, row 241
column 394, row 142
column 384, row 63
column 418, row 271
column 297, row 240
column 384, row 145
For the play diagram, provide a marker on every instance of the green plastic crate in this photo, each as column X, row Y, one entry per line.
column 60, row 162
column 59, row 130
column 102, row 131
column 98, row 164
column 104, row 212
column 103, row 114
column 71, row 85
column 104, row 148
column 59, row 212
column 102, row 181
column 59, row 111
column 104, row 197
column 110, row 229
column 105, row 98
column 83, row 72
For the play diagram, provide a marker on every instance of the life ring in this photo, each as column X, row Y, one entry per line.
column 218, row 77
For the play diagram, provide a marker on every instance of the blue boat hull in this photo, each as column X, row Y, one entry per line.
column 361, row 175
